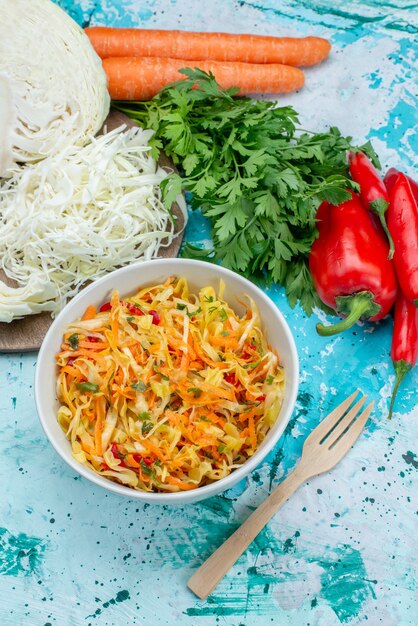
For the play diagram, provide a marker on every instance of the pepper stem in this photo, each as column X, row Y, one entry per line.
column 358, row 305
column 388, row 235
column 379, row 207
column 401, row 370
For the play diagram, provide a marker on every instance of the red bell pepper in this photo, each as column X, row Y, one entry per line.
column 349, row 265
column 373, row 192
column 403, row 225
column 404, row 350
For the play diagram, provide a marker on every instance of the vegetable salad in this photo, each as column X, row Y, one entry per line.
column 167, row 390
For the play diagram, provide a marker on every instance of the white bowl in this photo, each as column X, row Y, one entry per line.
column 127, row 280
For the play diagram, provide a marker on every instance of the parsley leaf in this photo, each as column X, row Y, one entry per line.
column 73, row 341
column 250, row 169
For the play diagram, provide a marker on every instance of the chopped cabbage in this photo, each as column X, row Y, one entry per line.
column 53, row 89
column 76, row 215
column 145, row 404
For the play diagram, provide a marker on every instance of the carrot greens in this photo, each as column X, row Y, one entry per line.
column 253, row 172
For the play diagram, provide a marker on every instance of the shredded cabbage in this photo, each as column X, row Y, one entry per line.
column 167, row 390
column 76, row 215
column 52, row 85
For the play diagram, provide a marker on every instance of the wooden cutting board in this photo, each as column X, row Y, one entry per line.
column 26, row 334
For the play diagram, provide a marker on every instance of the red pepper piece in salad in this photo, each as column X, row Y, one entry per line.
column 350, row 267
column 403, row 224
column 373, row 192
column 133, row 310
column 404, row 349
column 117, row 455
column 246, row 354
column 156, row 319
column 232, row 380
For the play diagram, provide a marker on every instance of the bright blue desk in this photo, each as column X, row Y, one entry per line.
column 344, row 549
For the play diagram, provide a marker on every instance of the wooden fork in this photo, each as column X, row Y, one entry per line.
column 324, row 448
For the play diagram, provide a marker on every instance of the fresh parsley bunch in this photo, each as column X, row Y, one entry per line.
column 250, row 169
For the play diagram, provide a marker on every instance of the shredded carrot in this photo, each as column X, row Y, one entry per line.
column 174, row 401
column 89, row 313
column 251, row 429
column 183, row 486
column 130, row 459
column 228, row 342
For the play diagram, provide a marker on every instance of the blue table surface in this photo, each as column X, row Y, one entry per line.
column 344, row 549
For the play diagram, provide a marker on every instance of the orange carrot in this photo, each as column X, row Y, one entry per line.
column 96, row 346
column 229, row 343
column 251, row 428
column 172, row 480
column 130, row 459
column 89, row 313
column 132, row 78
column 177, row 44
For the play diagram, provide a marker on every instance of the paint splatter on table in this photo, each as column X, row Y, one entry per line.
column 344, row 549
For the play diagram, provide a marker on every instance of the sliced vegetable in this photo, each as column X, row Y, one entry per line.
column 95, row 208
column 177, row 44
column 131, row 78
column 404, row 350
column 350, row 267
column 152, row 405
